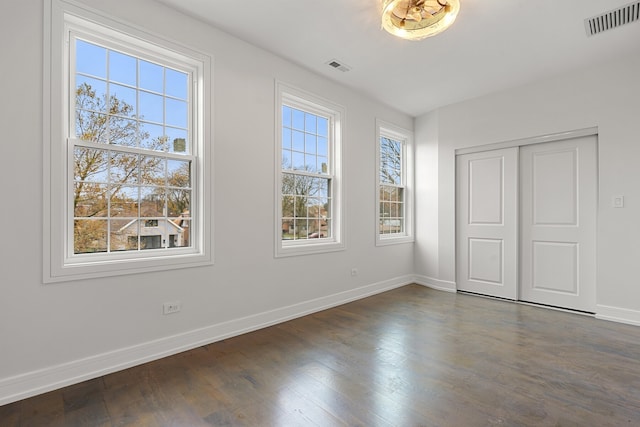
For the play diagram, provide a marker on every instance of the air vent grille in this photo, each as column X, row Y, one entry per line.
column 612, row 19
column 334, row 63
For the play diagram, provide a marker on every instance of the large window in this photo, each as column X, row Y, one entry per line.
column 308, row 165
column 394, row 189
column 130, row 145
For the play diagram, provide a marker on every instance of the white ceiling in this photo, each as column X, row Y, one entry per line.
column 493, row 45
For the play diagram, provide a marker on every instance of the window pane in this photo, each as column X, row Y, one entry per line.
column 300, row 229
column 122, row 68
column 298, row 141
column 286, row 116
column 124, row 201
column 124, row 235
column 181, row 237
column 310, row 125
column 176, row 113
column 322, row 165
column 122, row 100
column 287, row 206
column 91, row 94
column 326, row 228
column 310, row 163
column 298, row 161
column 297, row 119
column 152, row 137
column 151, row 76
column 300, row 206
column 178, row 173
column 152, row 170
column 90, row 164
column 286, row 138
column 89, row 235
column 123, row 168
column 177, row 83
column 286, row 159
column 178, row 203
column 390, row 161
column 91, row 126
column 178, row 140
column 287, row 229
column 90, row 200
column 310, row 144
column 91, row 59
column 322, row 147
column 151, row 107
column 322, row 188
column 123, row 131
column 153, row 241
column 323, row 127
column 288, row 184
column 152, row 200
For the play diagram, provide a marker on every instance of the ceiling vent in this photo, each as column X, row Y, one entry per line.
column 334, row 63
column 612, row 19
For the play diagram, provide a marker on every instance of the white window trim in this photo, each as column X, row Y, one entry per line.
column 406, row 136
column 298, row 98
column 61, row 17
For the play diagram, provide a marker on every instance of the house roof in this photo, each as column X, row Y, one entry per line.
column 133, row 222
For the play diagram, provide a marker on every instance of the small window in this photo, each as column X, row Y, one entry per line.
column 132, row 136
column 309, row 174
column 394, row 185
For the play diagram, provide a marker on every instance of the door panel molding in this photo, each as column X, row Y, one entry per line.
column 487, row 223
column 543, row 213
column 558, row 246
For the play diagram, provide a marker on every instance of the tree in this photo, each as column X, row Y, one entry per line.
column 178, row 198
column 102, row 120
column 390, row 161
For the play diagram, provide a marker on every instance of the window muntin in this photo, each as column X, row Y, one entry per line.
column 130, row 143
column 391, row 186
column 394, row 177
column 308, row 173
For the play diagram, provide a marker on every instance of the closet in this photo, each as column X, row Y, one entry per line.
column 526, row 222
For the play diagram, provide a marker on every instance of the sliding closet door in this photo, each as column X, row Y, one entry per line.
column 486, row 222
column 558, row 223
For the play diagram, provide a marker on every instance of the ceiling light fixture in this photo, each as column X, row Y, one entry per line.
column 418, row 19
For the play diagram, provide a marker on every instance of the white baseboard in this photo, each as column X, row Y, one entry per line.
column 41, row 381
column 617, row 314
column 430, row 282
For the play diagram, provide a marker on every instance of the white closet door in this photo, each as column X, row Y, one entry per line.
column 486, row 222
column 558, row 223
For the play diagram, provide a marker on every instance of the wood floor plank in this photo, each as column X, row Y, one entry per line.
column 411, row 357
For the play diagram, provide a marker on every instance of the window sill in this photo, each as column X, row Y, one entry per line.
column 393, row 240
column 287, row 249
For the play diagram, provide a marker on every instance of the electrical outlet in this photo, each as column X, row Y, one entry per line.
column 354, row 272
column 617, row 201
column 171, row 307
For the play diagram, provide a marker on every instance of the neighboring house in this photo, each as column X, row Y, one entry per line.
column 154, row 234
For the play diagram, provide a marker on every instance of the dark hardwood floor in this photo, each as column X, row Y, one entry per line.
column 408, row 357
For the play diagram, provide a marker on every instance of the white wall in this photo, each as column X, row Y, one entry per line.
column 606, row 97
column 55, row 334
